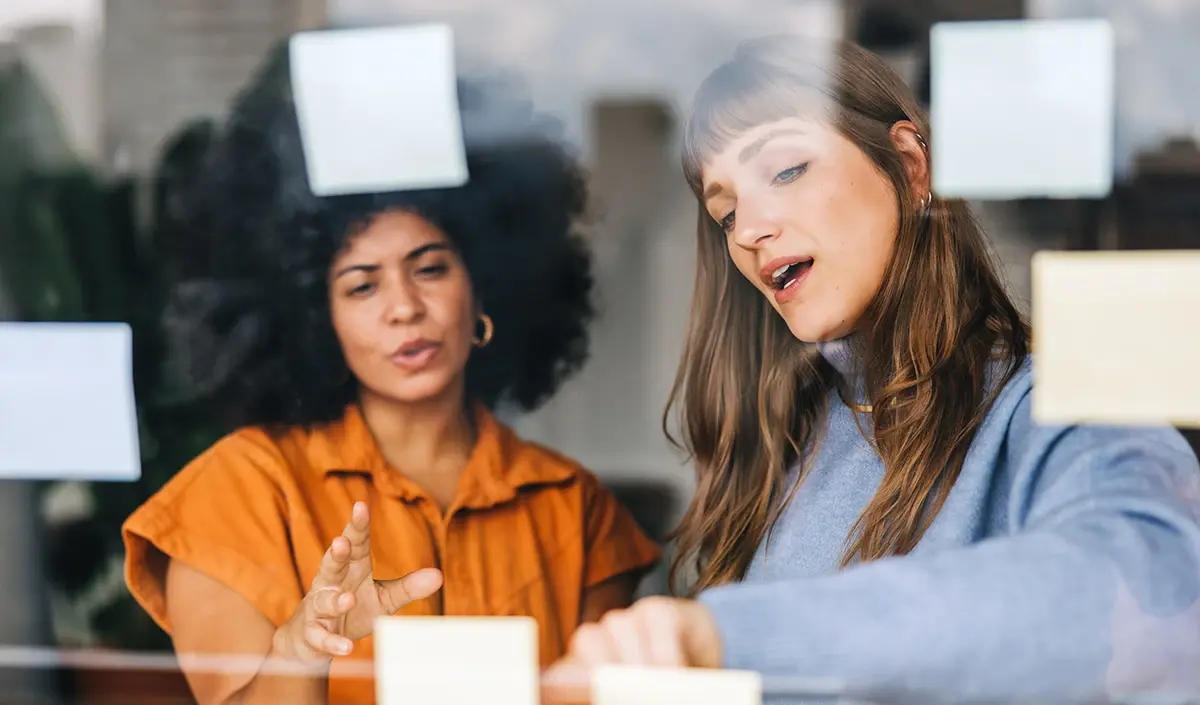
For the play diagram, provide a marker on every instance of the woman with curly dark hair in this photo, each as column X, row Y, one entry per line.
column 362, row 342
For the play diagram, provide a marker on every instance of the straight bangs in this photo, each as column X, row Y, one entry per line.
column 738, row 97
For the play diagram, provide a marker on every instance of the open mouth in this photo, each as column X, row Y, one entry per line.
column 787, row 275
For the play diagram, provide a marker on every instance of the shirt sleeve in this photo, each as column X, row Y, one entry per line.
column 225, row 515
column 1092, row 594
column 614, row 542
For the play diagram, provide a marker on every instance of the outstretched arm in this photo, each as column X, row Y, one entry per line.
column 1095, row 592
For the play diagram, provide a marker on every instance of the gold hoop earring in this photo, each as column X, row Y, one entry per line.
column 489, row 328
column 926, row 202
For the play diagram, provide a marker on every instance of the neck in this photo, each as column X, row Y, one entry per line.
column 424, row 440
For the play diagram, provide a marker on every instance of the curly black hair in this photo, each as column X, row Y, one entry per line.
column 255, row 335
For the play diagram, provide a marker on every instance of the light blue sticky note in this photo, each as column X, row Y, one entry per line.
column 1022, row 108
column 67, row 407
column 378, row 109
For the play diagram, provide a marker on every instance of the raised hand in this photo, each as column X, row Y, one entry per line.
column 344, row 599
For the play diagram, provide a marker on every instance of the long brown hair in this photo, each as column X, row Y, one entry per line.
column 751, row 398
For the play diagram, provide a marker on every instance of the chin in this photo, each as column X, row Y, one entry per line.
column 808, row 329
column 804, row 329
column 415, row 390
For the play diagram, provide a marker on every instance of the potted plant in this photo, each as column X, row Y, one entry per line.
column 73, row 249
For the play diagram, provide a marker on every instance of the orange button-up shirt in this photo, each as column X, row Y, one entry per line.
column 528, row 533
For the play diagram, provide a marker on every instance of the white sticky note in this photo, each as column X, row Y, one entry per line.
column 456, row 660
column 378, row 109
column 1117, row 337
column 635, row 685
column 67, row 407
column 1022, row 108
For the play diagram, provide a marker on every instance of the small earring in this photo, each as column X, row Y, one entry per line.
column 926, row 203
column 489, row 328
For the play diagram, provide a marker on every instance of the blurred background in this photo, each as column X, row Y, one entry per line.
column 106, row 103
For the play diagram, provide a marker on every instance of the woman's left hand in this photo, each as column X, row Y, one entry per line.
column 655, row 631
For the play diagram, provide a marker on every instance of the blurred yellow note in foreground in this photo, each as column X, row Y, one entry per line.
column 1117, row 337
column 629, row 685
column 456, row 661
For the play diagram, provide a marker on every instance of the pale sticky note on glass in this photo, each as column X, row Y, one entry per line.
column 67, row 407
column 378, row 109
column 1117, row 337
column 456, row 660
column 1022, row 108
column 633, row 685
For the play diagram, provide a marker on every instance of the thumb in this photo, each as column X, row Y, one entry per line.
column 417, row 585
column 700, row 635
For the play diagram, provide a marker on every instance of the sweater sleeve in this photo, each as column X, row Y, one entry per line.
column 1092, row 594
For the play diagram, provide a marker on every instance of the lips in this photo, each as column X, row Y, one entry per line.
column 783, row 273
column 414, row 355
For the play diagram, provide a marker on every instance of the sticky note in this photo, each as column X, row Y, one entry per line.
column 635, row 685
column 456, row 660
column 378, row 109
column 1116, row 337
column 67, row 409
column 1022, row 108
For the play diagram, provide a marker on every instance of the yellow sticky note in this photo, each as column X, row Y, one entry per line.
column 630, row 685
column 1117, row 337
column 456, row 660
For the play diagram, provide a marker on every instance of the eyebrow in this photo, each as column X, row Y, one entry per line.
column 414, row 254
column 750, row 151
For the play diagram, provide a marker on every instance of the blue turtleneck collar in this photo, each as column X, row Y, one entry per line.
column 841, row 355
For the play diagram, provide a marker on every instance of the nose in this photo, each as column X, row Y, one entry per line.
column 753, row 228
column 404, row 303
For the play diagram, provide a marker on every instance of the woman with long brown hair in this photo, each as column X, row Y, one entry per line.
column 875, row 505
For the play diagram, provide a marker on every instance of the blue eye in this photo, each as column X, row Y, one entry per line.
column 726, row 223
column 789, row 175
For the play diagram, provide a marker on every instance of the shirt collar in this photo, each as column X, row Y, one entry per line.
column 500, row 465
column 843, row 356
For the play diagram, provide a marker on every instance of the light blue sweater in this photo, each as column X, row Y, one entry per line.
column 1063, row 568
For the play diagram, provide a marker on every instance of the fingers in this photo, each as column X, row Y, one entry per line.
column 322, row 641
column 660, row 621
column 354, row 544
column 593, row 644
column 331, row 603
column 334, row 564
column 648, row 634
column 325, row 607
column 319, row 625
column 311, row 632
column 633, row 638
column 358, row 532
column 395, row 594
